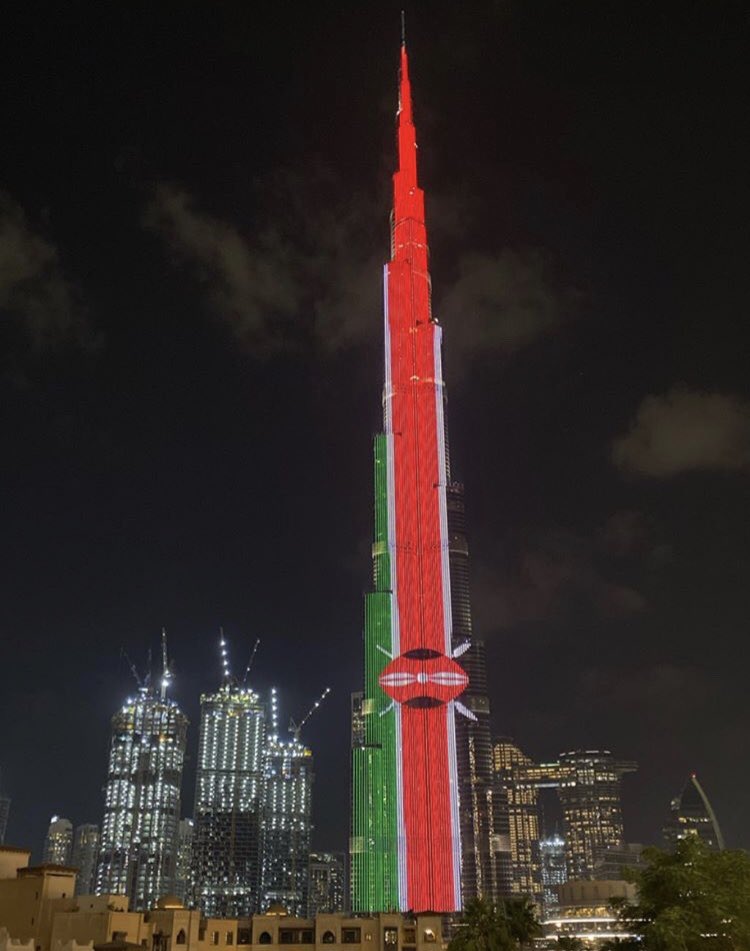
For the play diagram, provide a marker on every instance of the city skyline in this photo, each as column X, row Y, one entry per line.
column 190, row 379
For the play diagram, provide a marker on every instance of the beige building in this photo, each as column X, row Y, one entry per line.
column 39, row 911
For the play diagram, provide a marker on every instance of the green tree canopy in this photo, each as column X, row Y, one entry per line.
column 691, row 899
column 484, row 928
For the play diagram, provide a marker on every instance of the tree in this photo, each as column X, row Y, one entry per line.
column 691, row 899
column 521, row 920
column 482, row 928
column 569, row 942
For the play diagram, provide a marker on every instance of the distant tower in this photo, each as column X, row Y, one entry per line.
column 589, row 790
column 554, row 873
column 85, row 854
column 522, row 804
column 59, row 842
column 137, row 855
column 326, row 890
column 691, row 814
column 4, row 811
column 184, row 885
column 287, row 819
column 228, row 796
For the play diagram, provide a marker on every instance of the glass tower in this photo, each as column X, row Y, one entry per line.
column 228, row 795
column 137, row 854
column 326, row 890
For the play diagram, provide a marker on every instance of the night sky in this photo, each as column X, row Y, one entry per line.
column 194, row 207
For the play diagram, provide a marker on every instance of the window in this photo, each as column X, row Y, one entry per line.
column 214, row 937
column 390, row 937
column 244, row 936
column 265, row 938
column 230, row 937
column 429, row 936
column 180, row 939
column 351, row 935
column 328, row 937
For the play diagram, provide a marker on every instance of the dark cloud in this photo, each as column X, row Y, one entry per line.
column 500, row 302
column 309, row 271
column 561, row 574
column 685, row 430
column 36, row 301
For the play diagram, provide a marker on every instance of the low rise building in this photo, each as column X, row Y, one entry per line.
column 585, row 912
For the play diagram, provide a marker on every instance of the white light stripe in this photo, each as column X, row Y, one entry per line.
column 453, row 766
column 395, row 630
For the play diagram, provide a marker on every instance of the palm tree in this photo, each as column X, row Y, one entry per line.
column 482, row 929
column 521, row 920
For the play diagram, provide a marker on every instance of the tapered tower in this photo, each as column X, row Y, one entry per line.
column 406, row 843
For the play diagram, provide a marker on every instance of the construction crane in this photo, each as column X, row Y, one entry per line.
column 295, row 728
column 250, row 662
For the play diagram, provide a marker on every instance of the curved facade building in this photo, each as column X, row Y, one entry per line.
column 692, row 814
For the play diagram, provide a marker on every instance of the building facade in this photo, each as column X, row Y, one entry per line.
column 286, row 825
column 184, row 885
column 406, row 831
column 326, row 888
column 484, row 845
column 138, row 846
column 554, row 872
column 226, row 856
column 58, row 843
column 691, row 813
column 84, row 857
column 521, row 801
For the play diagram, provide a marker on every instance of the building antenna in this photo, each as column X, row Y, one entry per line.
column 403, row 28
column 250, row 662
column 274, row 714
column 166, row 673
column 295, row 728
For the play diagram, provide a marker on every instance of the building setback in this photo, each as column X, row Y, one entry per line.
column 137, row 855
column 226, row 858
column 406, row 827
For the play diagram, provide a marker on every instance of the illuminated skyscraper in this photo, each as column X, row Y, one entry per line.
column 554, row 873
column 287, row 825
column 58, row 843
column 228, row 797
column 589, row 790
column 4, row 811
column 588, row 785
column 138, row 846
column 326, row 889
column 184, row 884
column 692, row 814
column 406, row 838
column 85, row 854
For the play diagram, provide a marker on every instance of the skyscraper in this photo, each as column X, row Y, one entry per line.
column 85, row 854
column 691, row 814
column 406, row 841
column 589, row 790
column 479, row 815
column 4, row 811
column 554, row 873
column 588, row 785
column 326, row 888
column 286, row 824
column 137, row 855
column 58, row 842
column 184, row 878
column 228, row 795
